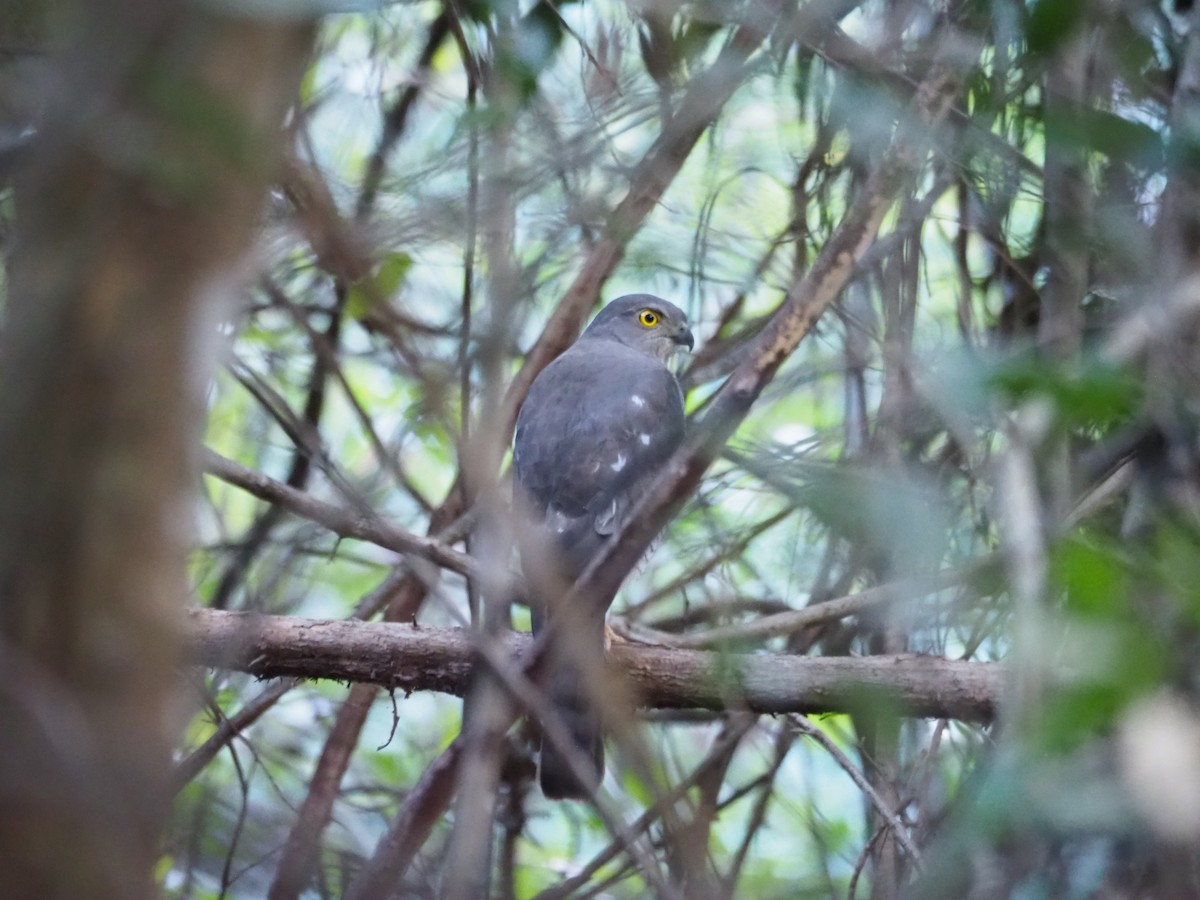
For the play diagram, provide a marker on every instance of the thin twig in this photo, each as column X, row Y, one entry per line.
column 806, row 727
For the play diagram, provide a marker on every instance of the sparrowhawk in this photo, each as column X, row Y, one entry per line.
column 595, row 428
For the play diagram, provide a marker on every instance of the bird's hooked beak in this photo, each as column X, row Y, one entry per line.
column 683, row 337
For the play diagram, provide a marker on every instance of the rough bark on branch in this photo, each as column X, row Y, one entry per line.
column 440, row 659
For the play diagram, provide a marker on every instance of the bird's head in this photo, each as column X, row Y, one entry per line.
column 644, row 322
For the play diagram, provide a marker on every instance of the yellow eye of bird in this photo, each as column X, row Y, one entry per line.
column 648, row 317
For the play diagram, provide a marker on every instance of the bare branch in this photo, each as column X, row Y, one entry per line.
column 417, row 659
column 339, row 520
column 888, row 814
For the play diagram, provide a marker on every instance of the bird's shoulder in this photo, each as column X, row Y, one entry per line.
column 600, row 384
column 592, row 371
column 597, row 418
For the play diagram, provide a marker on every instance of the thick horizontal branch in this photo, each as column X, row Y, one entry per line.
column 440, row 659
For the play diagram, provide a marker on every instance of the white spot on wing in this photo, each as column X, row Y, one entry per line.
column 645, row 439
column 619, row 464
column 638, row 400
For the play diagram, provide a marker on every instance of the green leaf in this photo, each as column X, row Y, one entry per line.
column 1050, row 23
column 382, row 284
column 1094, row 394
column 1096, row 581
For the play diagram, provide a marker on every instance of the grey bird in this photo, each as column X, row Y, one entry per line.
column 595, row 428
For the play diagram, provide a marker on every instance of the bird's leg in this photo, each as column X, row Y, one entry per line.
column 626, row 632
column 611, row 637
column 622, row 631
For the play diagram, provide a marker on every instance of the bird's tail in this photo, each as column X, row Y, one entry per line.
column 576, row 707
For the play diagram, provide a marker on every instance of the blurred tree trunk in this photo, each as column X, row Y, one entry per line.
column 141, row 189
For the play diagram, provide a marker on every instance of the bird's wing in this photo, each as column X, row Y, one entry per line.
column 598, row 420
